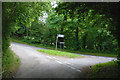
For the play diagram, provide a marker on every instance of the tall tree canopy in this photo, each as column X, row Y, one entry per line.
column 83, row 27
column 111, row 11
column 16, row 14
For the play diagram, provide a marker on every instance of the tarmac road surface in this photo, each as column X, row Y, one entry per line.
column 39, row 65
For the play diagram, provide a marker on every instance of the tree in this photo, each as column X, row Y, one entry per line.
column 18, row 14
column 109, row 9
column 111, row 12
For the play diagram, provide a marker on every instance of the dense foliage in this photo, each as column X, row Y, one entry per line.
column 10, row 63
column 105, row 70
column 92, row 27
column 83, row 30
column 110, row 10
column 15, row 15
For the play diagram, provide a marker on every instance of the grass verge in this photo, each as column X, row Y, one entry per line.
column 95, row 54
column 71, row 51
column 60, row 53
column 10, row 64
column 105, row 70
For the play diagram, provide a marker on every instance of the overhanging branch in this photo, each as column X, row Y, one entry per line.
column 12, row 11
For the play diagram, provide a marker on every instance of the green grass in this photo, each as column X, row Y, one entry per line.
column 71, row 51
column 10, row 64
column 60, row 53
column 94, row 53
column 105, row 70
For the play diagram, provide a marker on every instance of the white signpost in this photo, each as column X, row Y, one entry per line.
column 59, row 35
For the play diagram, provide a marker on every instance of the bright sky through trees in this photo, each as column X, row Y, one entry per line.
column 45, row 15
column 54, row 5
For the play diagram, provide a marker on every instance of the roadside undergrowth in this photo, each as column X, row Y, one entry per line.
column 66, row 50
column 10, row 64
column 105, row 70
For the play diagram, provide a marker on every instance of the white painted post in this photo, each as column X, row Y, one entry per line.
column 56, row 42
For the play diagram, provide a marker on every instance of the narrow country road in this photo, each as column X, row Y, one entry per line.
column 38, row 65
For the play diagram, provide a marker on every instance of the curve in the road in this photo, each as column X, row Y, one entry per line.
column 39, row 65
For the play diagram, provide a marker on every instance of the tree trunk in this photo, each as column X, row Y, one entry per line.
column 118, row 39
column 84, row 40
column 61, row 30
column 77, row 42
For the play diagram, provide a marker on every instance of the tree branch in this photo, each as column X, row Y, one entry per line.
column 12, row 11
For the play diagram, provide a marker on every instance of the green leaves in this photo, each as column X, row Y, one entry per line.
column 90, row 23
column 17, row 14
column 83, row 27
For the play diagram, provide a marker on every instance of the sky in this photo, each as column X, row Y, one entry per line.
column 45, row 15
column 54, row 4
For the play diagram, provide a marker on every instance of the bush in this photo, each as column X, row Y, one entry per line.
column 10, row 63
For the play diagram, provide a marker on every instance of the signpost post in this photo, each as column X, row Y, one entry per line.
column 58, row 35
